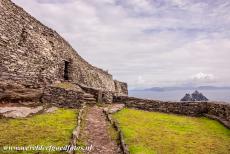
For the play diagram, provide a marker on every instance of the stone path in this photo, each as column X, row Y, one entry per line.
column 96, row 132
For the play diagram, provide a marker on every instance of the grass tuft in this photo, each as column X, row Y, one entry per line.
column 65, row 85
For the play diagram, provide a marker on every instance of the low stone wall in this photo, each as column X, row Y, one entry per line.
column 66, row 98
column 110, row 110
column 99, row 95
column 219, row 109
column 214, row 110
column 76, row 131
column 186, row 108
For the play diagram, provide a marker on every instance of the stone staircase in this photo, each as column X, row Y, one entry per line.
column 89, row 98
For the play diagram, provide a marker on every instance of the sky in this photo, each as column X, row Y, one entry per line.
column 146, row 43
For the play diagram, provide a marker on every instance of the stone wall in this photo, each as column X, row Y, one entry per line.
column 218, row 109
column 186, row 108
column 121, row 88
column 62, row 97
column 100, row 95
column 16, row 93
column 36, row 56
column 214, row 110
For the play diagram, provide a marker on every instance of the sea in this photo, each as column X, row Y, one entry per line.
column 176, row 95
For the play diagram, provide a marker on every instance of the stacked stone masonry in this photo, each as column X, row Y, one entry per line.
column 36, row 56
column 218, row 111
column 66, row 98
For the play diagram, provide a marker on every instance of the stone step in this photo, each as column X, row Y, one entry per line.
column 87, row 95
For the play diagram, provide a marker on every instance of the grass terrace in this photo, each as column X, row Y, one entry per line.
column 45, row 129
column 159, row 133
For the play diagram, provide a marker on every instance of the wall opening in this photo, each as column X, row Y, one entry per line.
column 66, row 70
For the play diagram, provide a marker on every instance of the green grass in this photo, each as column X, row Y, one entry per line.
column 45, row 129
column 65, row 85
column 159, row 133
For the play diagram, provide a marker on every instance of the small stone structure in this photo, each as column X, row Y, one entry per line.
column 214, row 110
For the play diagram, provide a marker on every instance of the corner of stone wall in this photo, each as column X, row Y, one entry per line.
column 121, row 88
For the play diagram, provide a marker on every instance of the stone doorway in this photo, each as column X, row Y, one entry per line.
column 66, row 70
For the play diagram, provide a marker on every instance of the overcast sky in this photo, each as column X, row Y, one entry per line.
column 146, row 43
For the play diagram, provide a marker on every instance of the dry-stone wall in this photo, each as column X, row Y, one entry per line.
column 121, row 88
column 214, row 110
column 219, row 111
column 186, row 108
column 63, row 97
column 36, row 56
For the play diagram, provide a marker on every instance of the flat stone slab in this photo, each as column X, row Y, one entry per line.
column 51, row 109
column 18, row 112
column 114, row 108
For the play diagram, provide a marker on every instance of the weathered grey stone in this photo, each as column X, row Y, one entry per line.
column 19, row 112
column 63, row 97
column 114, row 108
column 121, row 88
column 37, row 56
column 15, row 92
column 51, row 109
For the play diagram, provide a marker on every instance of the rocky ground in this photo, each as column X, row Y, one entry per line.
column 16, row 111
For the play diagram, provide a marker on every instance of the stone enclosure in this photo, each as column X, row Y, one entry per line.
column 36, row 56
column 35, row 60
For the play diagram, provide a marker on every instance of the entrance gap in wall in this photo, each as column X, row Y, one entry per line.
column 66, row 70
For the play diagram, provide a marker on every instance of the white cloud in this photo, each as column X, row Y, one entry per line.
column 54, row 1
column 203, row 77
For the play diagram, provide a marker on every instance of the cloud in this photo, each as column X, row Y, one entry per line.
column 203, row 77
column 166, row 42
column 140, row 80
column 54, row 1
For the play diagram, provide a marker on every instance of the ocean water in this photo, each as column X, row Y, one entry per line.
column 176, row 95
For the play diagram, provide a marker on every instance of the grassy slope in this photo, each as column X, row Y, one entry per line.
column 152, row 132
column 46, row 129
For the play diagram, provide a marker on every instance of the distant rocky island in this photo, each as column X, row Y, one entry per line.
column 185, row 88
column 195, row 96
